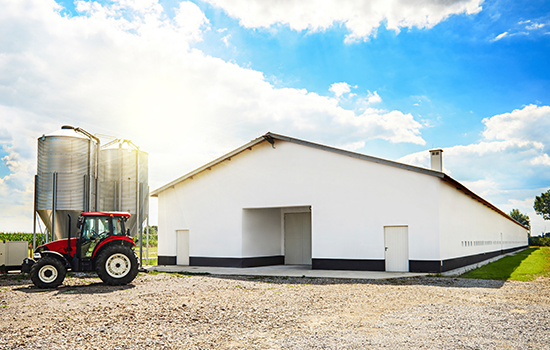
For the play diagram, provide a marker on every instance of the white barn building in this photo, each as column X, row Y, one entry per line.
column 281, row 200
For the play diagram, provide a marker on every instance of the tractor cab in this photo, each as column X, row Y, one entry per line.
column 97, row 229
column 102, row 244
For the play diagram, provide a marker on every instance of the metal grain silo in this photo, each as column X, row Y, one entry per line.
column 123, row 173
column 66, row 180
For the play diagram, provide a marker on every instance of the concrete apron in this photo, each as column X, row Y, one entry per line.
column 284, row 271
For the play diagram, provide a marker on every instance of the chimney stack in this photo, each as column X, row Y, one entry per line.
column 436, row 157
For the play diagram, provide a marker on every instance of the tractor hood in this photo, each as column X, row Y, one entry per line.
column 59, row 246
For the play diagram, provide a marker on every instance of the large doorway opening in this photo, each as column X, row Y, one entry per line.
column 297, row 237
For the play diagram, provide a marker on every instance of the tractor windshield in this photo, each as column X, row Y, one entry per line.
column 95, row 229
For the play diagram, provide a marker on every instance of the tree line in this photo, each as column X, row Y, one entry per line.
column 542, row 208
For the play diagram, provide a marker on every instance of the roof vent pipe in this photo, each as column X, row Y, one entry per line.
column 436, row 158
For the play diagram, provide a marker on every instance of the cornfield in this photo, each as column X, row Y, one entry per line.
column 153, row 240
column 21, row 236
column 41, row 238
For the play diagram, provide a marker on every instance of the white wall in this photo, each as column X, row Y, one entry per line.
column 261, row 230
column 351, row 199
column 469, row 227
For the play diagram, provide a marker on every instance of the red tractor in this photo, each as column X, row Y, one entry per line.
column 101, row 245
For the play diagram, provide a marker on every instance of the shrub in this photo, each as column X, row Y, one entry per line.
column 153, row 240
column 540, row 241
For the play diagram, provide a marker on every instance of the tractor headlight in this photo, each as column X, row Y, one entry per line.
column 36, row 256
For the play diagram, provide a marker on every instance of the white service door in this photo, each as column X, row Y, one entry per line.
column 182, row 247
column 298, row 238
column 396, row 241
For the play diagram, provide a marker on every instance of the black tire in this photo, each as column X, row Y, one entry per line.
column 48, row 272
column 117, row 265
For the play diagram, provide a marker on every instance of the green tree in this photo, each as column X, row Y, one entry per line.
column 521, row 218
column 542, row 205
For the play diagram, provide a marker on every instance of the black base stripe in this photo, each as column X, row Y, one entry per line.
column 430, row 266
column 348, row 264
column 425, row 266
column 451, row 264
column 237, row 262
column 167, row 260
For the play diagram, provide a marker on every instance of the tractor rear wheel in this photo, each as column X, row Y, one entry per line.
column 117, row 265
column 48, row 272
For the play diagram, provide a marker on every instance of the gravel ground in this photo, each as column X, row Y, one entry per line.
column 174, row 311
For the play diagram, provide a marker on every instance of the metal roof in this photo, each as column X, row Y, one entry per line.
column 271, row 138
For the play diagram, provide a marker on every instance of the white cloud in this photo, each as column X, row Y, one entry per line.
column 535, row 26
column 373, row 98
column 361, row 18
column 18, row 139
column 541, row 160
column 126, row 69
column 340, row 88
column 529, row 123
column 225, row 39
column 523, row 28
column 393, row 126
column 190, row 20
column 352, row 146
column 500, row 36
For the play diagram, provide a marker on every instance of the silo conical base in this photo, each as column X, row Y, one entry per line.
column 61, row 222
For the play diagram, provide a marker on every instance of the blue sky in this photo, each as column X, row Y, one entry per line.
column 189, row 81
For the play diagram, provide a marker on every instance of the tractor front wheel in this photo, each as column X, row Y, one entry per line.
column 117, row 265
column 48, row 272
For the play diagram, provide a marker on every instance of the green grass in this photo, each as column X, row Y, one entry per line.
column 153, row 253
column 526, row 265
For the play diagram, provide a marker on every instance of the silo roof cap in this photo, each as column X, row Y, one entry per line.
column 67, row 131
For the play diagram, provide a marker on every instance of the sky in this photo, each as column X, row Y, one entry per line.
column 188, row 81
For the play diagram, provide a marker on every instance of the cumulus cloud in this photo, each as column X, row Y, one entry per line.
column 126, row 69
column 361, row 18
column 542, row 160
column 340, row 88
column 529, row 123
column 373, row 98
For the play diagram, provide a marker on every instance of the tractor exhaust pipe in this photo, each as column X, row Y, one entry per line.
column 69, row 238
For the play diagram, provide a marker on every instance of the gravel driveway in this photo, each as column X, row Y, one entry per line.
column 173, row 311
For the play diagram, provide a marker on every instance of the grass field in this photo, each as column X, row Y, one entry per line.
column 526, row 265
column 153, row 255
